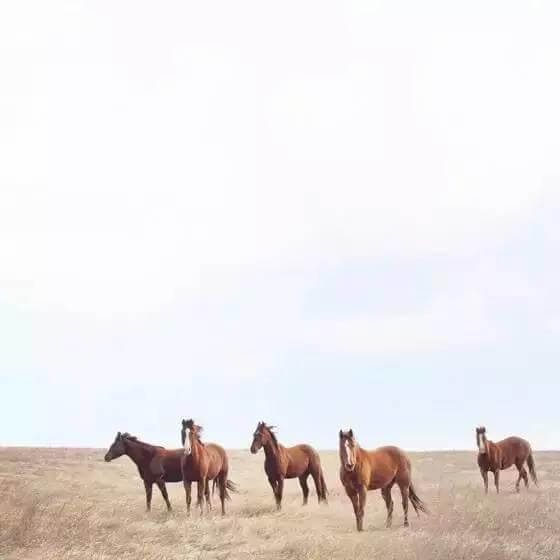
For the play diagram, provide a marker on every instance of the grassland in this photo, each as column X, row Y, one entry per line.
column 69, row 504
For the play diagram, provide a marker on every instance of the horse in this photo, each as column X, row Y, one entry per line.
column 362, row 470
column 502, row 455
column 201, row 463
column 154, row 463
column 288, row 462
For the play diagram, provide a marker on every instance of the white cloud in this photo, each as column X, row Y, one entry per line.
column 445, row 325
column 141, row 174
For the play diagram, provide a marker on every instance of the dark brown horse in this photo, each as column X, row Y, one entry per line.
column 362, row 470
column 202, row 462
column 155, row 463
column 288, row 462
column 502, row 455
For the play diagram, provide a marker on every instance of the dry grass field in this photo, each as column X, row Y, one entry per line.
column 69, row 503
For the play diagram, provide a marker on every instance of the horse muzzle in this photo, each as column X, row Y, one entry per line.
column 349, row 468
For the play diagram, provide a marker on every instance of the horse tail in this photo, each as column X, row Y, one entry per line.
column 232, row 487
column 531, row 465
column 417, row 503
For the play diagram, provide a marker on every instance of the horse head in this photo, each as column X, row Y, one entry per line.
column 263, row 435
column 347, row 449
column 118, row 447
column 481, row 439
column 190, row 434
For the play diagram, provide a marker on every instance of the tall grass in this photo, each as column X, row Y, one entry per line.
column 66, row 504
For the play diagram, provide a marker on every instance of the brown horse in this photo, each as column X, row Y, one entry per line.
column 201, row 463
column 288, row 462
column 502, row 455
column 155, row 463
column 362, row 470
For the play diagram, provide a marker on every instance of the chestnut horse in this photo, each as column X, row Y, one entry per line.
column 155, row 463
column 362, row 470
column 288, row 462
column 201, row 463
column 502, row 455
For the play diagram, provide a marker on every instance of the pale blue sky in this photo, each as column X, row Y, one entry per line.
column 318, row 214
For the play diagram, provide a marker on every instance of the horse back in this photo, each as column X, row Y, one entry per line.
column 164, row 463
column 513, row 449
column 385, row 465
column 301, row 458
column 218, row 460
column 171, row 461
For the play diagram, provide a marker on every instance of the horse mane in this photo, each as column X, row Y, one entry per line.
column 193, row 427
column 130, row 437
column 270, row 430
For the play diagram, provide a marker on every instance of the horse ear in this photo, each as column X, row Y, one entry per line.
column 184, row 422
column 351, row 432
column 118, row 435
column 340, row 433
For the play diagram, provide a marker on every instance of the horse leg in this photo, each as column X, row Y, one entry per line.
column 222, row 487
column 207, row 496
column 148, row 487
column 518, row 479
column 522, row 474
column 497, row 480
column 273, row 483
column 323, row 486
column 318, row 485
column 353, row 495
column 362, row 497
column 222, row 481
column 188, row 488
column 200, row 487
column 304, row 487
column 163, row 490
column 279, row 492
column 525, row 477
column 404, row 493
column 485, row 479
column 386, row 493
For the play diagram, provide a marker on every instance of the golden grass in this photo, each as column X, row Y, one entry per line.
column 69, row 504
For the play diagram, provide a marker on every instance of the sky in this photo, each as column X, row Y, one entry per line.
column 319, row 214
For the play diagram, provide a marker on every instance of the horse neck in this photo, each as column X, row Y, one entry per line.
column 196, row 448
column 360, row 453
column 271, row 450
column 140, row 453
column 493, row 448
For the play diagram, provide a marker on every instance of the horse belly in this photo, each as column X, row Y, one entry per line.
column 293, row 472
column 378, row 481
column 506, row 463
column 172, row 470
column 214, row 469
column 297, row 467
